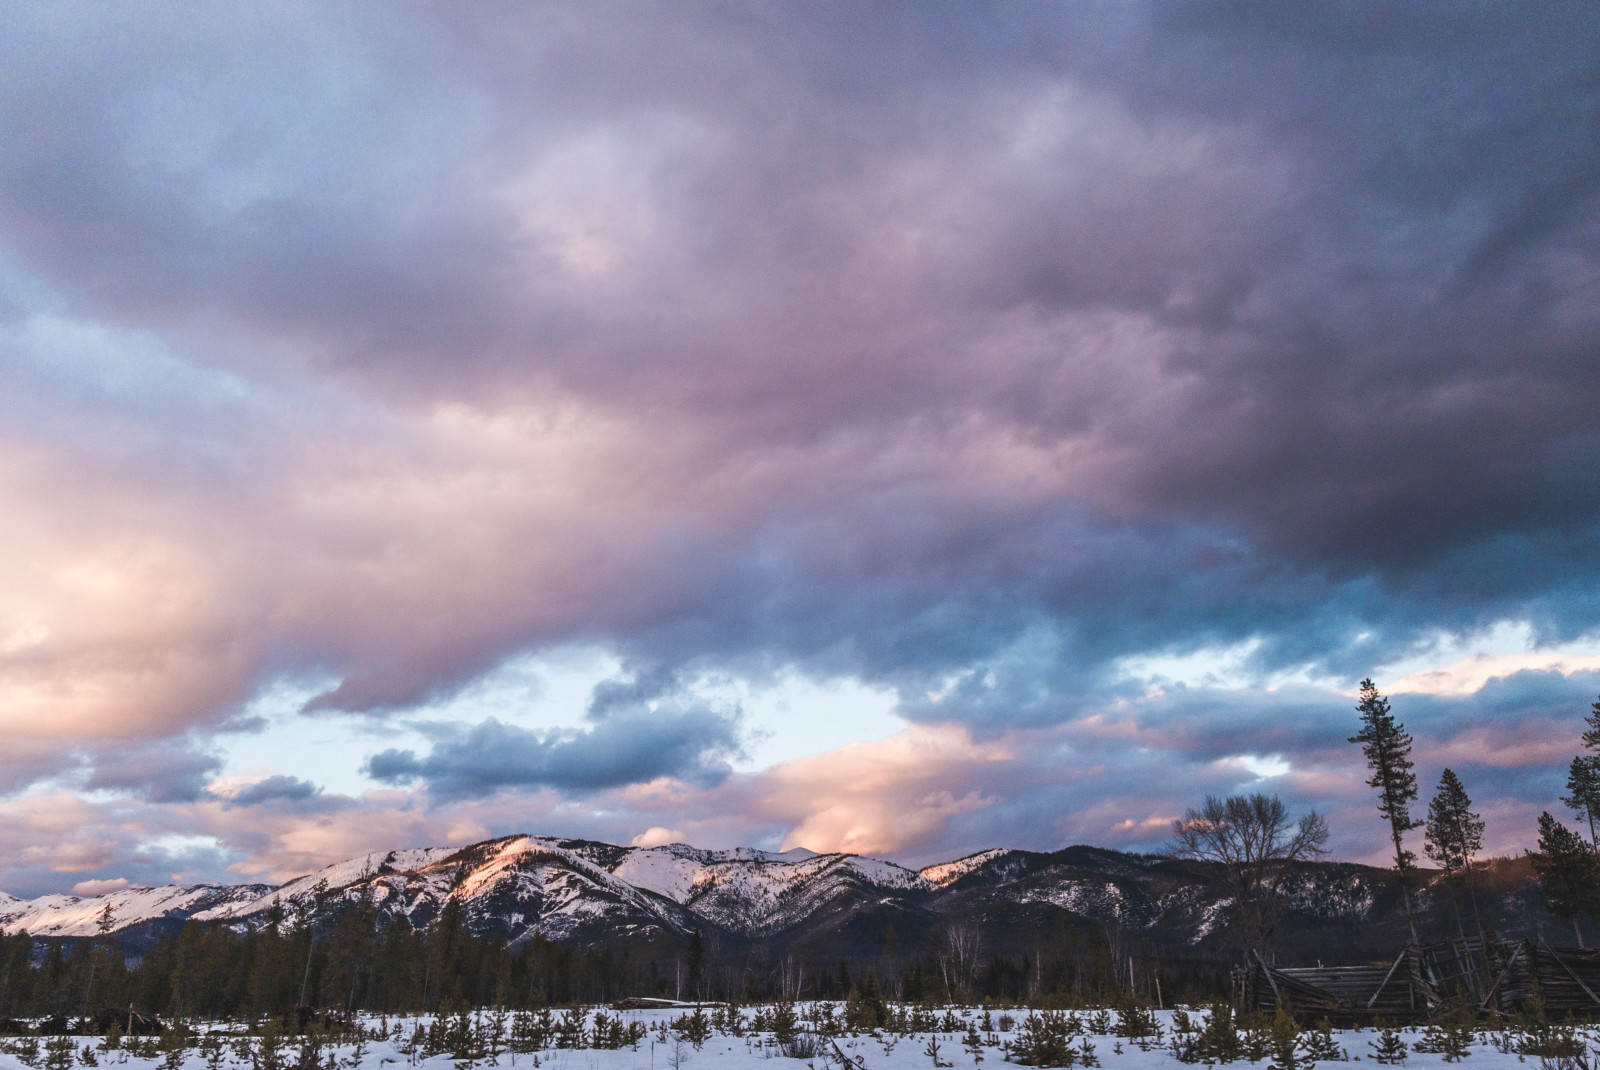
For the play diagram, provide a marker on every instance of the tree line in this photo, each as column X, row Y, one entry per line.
column 356, row 960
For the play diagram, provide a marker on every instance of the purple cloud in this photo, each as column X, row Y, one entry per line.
column 968, row 356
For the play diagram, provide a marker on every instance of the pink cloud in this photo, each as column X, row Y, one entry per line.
column 99, row 887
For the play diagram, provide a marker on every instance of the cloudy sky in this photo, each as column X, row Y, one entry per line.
column 899, row 428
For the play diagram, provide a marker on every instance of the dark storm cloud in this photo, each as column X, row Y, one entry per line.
column 1359, row 221
column 968, row 353
column 623, row 749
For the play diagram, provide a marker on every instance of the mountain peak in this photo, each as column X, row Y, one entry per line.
column 949, row 872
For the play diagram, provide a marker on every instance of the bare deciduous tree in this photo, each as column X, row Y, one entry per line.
column 1256, row 845
column 958, row 955
column 791, row 978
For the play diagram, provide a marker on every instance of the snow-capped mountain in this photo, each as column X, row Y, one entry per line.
column 75, row 915
column 520, row 886
column 754, row 893
column 582, row 891
column 948, row 872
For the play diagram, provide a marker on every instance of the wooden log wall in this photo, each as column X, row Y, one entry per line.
column 1495, row 977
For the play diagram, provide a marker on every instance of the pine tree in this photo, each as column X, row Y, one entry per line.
column 1568, row 869
column 1583, row 778
column 1591, row 737
column 1454, row 835
column 100, row 944
column 1583, row 792
column 1387, row 747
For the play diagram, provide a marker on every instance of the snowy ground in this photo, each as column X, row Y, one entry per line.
column 663, row 1048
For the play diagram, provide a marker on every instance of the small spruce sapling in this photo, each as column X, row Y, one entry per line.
column 1284, row 1041
column 1319, row 1046
column 1451, row 1035
column 973, row 1043
column 59, row 1053
column 1389, row 1048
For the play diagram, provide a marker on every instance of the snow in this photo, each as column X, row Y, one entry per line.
column 558, row 885
column 662, row 1050
column 949, row 872
column 668, row 871
column 754, row 891
column 750, row 891
column 1211, row 919
column 71, row 915
column 338, row 875
column 332, row 877
column 681, row 873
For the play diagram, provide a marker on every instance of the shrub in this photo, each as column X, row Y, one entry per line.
column 801, row 1046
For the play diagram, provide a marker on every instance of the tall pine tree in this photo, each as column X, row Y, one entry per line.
column 1568, row 869
column 1387, row 747
column 1583, row 778
column 1454, row 835
column 1583, row 792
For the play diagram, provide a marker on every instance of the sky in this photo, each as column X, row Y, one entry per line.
column 904, row 428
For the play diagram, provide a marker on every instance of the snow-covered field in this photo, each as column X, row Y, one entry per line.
column 666, row 1040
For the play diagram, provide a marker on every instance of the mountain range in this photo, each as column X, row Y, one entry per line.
column 580, row 891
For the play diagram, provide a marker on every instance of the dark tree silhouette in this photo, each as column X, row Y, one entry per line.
column 1568, row 869
column 1256, row 844
column 1591, row 737
column 1583, row 793
column 1454, row 835
column 1583, row 778
column 1387, row 747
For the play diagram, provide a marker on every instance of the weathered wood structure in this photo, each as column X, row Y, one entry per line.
column 1497, row 977
column 1566, row 978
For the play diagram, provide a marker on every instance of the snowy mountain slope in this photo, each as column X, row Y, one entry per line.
column 72, row 915
column 301, row 892
column 949, row 872
column 755, row 892
column 517, row 888
column 555, row 892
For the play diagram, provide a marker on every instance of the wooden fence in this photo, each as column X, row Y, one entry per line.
column 1495, row 977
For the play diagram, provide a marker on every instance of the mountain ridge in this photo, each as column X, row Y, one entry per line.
column 525, row 887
